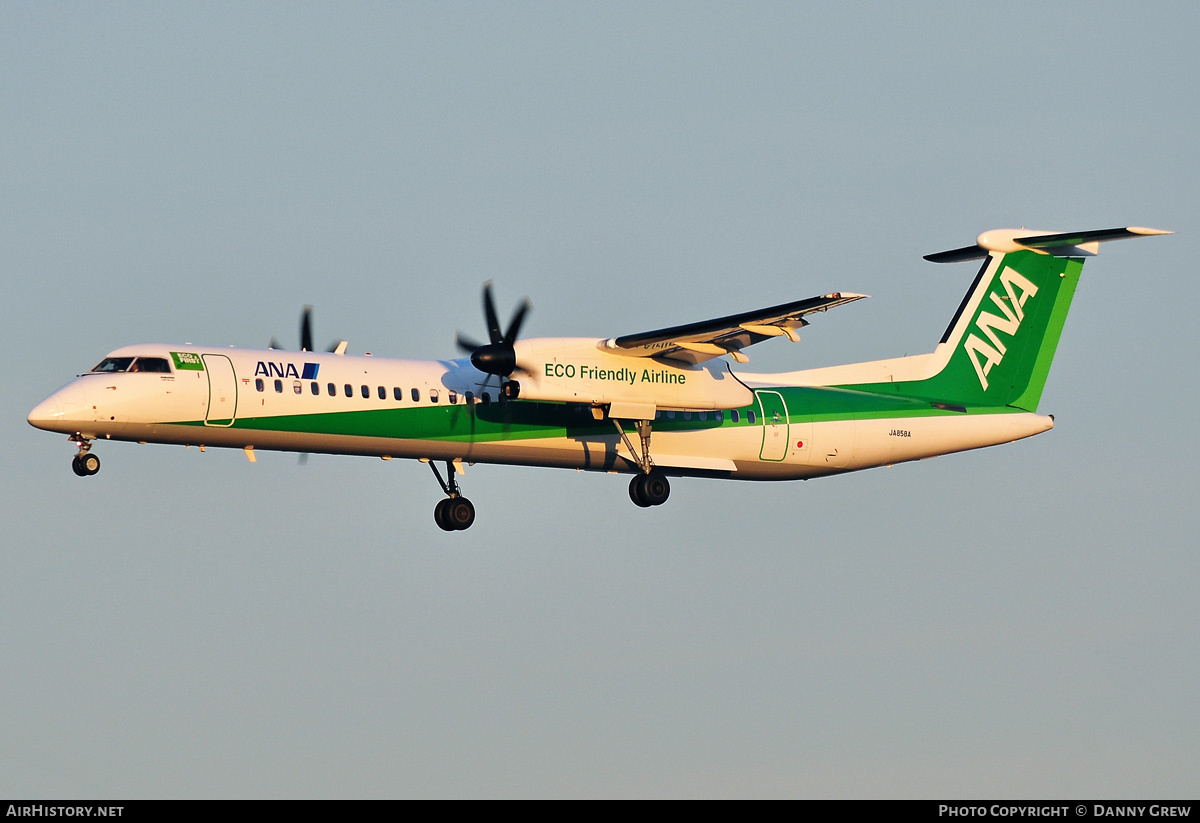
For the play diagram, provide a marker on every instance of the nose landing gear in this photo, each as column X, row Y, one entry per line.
column 84, row 463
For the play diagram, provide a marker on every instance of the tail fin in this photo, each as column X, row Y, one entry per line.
column 998, row 348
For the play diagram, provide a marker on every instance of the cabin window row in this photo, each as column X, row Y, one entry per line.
column 719, row 416
column 434, row 395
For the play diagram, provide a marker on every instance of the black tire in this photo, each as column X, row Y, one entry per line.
column 440, row 516
column 460, row 513
column 77, row 466
column 655, row 488
column 636, row 493
column 90, row 464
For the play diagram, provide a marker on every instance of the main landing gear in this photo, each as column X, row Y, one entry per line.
column 651, row 487
column 84, row 464
column 455, row 512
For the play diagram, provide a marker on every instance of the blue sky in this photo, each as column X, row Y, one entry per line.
column 1019, row 621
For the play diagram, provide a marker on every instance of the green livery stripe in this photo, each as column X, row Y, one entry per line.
column 529, row 420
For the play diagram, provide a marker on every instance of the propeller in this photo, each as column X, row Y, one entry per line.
column 306, row 336
column 306, row 329
column 498, row 356
column 306, row 344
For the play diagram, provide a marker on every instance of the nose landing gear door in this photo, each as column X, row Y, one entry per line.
column 222, row 390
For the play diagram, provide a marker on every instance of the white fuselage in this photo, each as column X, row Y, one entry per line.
column 447, row 410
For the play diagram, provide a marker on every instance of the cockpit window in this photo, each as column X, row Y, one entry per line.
column 111, row 365
column 114, row 364
column 152, row 364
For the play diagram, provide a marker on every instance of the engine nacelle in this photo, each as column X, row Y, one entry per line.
column 575, row 370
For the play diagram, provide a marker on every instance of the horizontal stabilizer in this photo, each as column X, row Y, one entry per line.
column 1057, row 244
column 974, row 252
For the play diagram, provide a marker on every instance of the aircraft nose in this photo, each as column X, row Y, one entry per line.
column 44, row 414
column 61, row 411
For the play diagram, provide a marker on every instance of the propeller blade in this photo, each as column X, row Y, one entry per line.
column 499, row 357
column 489, row 313
column 306, row 329
column 465, row 343
column 514, row 325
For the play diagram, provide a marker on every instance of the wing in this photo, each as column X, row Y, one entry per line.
column 697, row 342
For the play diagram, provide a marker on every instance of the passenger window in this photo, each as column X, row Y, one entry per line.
column 719, row 416
column 382, row 393
column 687, row 415
column 487, row 399
column 366, row 392
column 398, row 393
column 734, row 416
column 416, row 394
column 279, row 386
column 349, row 390
column 297, row 387
column 332, row 389
column 670, row 415
column 315, row 388
column 433, row 396
column 750, row 415
column 258, row 383
column 703, row 415
column 451, row 398
column 469, row 398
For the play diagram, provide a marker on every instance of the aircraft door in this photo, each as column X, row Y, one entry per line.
column 775, row 425
column 222, row 390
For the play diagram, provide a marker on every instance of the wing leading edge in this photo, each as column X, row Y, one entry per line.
column 697, row 342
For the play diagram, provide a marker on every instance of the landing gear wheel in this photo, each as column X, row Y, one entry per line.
column 90, row 464
column 454, row 514
column 85, row 465
column 635, row 491
column 439, row 515
column 649, row 489
column 656, row 488
column 460, row 513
